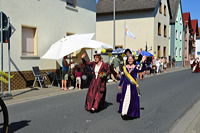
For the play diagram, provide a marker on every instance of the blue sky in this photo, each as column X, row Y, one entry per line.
column 192, row 6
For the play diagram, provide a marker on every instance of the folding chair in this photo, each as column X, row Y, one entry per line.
column 38, row 77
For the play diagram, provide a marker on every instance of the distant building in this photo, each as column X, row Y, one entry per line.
column 38, row 24
column 197, row 51
column 188, row 38
column 195, row 33
column 147, row 20
column 177, row 32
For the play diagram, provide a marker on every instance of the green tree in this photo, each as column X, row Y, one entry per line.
column 4, row 76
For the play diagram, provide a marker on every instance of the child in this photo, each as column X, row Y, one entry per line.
column 78, row 75
column 158, row 64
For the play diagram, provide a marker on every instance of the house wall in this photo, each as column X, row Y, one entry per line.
column 52, row 20
column 197, row 48
column 172, row 41
column 160, row 40
column 139, row 23
column 186, row 50
column 180, row 39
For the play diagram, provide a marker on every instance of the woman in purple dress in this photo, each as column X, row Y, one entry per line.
column 129, row 99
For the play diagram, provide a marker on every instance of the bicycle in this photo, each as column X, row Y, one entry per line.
column 4, row 118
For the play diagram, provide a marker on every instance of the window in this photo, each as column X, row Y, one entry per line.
column 165, row 31
column 118, row 46
column 69, row 33
column 29, row 42
column 180, row 53
column 164, row 52
column 176, row 35
column 176, row 51
column 71, row 3
column 158, row 51
column 181, row 21
column 177, row 19
column 181, row 36
column 160, row 10
column 159, row 28
column 165, row 10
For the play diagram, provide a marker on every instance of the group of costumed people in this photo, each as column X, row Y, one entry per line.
column 128, row 97
column 195, row 65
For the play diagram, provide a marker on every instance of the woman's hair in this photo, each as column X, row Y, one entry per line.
column 127, row 50
column 99, row 56
column 78, row 69
column 134, row 62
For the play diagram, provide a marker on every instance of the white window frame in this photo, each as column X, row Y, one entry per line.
column 71, row 5
column 181, row 21
column 176, row 19
column 176, row 34
column 35, row 49
column 181, row 36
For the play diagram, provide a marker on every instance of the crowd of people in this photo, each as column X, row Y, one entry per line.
column 127, row 69
column 149, row 64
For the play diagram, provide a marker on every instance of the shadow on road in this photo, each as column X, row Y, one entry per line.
column 13, row 127
column 107, row 104
column 32, row 89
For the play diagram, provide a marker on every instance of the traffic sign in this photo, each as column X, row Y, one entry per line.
column 4, row 20
column 7, row 33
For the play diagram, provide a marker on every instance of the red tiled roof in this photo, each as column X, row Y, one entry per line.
column 186, row 17
column 194, row 24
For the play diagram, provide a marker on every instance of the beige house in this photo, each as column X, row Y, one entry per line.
column 147, row 20
column 38, row 24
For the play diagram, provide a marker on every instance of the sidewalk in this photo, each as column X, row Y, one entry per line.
column 190, row 122
column 169, row 70
column 29, row 94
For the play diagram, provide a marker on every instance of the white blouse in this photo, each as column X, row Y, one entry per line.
column 96, row 69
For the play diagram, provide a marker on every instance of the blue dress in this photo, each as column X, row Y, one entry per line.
column 129, row 102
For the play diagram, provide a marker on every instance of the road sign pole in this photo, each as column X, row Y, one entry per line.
column 9, row 63
column 1, row 30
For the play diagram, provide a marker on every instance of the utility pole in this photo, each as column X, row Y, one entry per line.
column 114, row 30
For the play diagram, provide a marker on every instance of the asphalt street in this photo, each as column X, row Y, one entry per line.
column 165, row 99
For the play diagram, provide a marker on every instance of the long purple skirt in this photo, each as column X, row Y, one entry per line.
column 129, row 103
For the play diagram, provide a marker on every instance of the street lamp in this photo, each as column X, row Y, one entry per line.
column 114, row 41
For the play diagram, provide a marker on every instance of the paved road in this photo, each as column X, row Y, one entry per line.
column 165, row 99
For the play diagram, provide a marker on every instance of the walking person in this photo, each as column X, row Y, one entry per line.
column 95, row 99
column 78, row 75
column 191, row 63
column 165, row 64
column 129, row 100
column 115, row 68
column 158, row 65
column 196, row 67
column 65, row 71
column 143, row 67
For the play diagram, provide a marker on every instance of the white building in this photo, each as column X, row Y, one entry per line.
column 197, row 51
column 38, row 24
